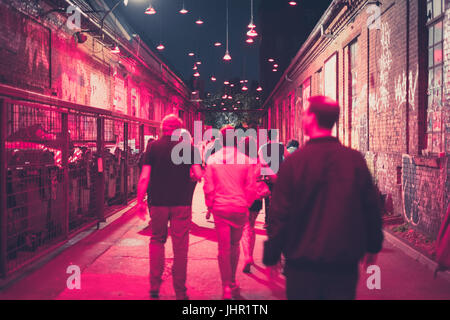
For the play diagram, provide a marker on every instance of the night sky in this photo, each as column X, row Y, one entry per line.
column 180, row 34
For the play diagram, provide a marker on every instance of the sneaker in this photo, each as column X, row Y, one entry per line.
column 247, row 268
column 227, row 293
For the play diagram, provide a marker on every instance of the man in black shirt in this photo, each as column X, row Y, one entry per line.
column 325, row 213
column 171, row 189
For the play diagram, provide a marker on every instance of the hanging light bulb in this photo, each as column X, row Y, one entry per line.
column 252, row 33
column 293, row 3
column 197, row 74
column 259, row 88
column 249, row 40
column 227, row 56
column 230, row 97
column 244, row 88
column 213, row 78
column 226, row 83
column 232, row 85
column 199, row 21
column 224, row 96
column 198, row 62
column 183, row 10
column 160, row 47
column 191, row 54
column 195, row 67
column 275, row 65
column 217, row 44
column 271, row 60
column 251, row 25
column 274, row 70
column 116, row 49
column 150, row 10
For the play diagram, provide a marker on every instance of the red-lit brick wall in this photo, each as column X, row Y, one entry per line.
column 41, row 54
column 386, row 119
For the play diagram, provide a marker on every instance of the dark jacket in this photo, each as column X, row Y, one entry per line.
column 325, row 210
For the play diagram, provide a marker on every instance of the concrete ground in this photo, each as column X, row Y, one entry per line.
column 114, row 263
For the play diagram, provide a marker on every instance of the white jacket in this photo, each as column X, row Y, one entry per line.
column 230, row 181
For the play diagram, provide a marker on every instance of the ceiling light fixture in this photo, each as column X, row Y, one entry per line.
column 227, row 56
column 183, row 10
column 199, row 21
column 150, row 10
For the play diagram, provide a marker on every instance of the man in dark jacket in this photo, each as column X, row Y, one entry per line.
column 325, row 212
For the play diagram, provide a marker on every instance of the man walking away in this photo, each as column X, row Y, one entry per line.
column 230, row 189
column 325, row 212
column 171, row 190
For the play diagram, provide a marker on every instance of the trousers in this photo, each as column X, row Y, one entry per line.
column 180, row 221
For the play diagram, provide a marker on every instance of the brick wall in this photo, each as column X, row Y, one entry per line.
column 384, row 120
column 41, row 54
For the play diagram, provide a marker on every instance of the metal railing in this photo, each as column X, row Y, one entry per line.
column 64, row 167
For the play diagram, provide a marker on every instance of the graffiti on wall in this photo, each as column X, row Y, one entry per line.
column 409, row 190
column 385, row 63
column 99, row 91
column 401, row 90
column 120, row 96
column 24, row 50
column 74, row 83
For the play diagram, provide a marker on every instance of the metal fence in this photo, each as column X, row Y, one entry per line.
column 64, row 167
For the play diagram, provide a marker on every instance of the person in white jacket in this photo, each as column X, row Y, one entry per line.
column 230, row 189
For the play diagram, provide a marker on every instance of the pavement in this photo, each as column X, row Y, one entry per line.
column 114, row 265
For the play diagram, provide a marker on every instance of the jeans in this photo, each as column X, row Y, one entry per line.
column 228, row 244
column 249, row 236
column 180, row 221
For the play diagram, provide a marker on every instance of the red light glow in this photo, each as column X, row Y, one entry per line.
column 244, row 88
column 271, row 60
column 150, row 10
column 116, row 49
column 293, row 3
column 213, row 79
column 197, row 74
column 217, row 44
column 249, row 40
column 183, row 11
column 191, row 54
column 259, row 89
column 252, row 33
column 227, row 56
column 199, row 21
column 160, row 47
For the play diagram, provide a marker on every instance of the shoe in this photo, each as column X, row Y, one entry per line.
column 235, row 290
column 227, row 293
column 154, row 294
column 247, row 268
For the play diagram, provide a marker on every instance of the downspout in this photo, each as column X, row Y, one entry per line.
column 407, row 78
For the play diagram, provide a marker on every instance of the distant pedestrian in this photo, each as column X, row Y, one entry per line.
column 292, row 146
column 230, row 189
column 325, row 212
column 271, row 155
column 171, row 190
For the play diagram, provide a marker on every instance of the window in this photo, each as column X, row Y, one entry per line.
column 352, row 81
column 435, row 92
column 435, row 52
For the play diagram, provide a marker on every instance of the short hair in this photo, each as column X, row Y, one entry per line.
column 293, row 143
column 231, row 141
column 325, row 109
column 170, row 123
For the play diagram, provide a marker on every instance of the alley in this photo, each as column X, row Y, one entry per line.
column 114, row 265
